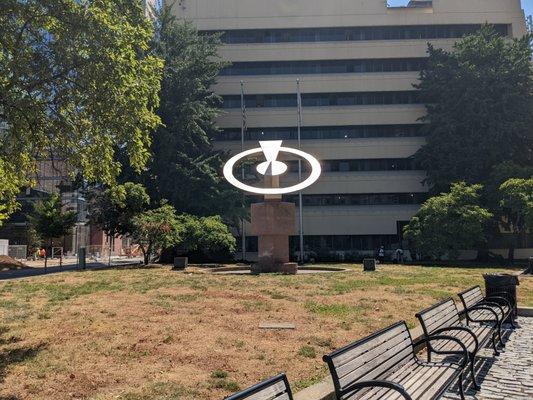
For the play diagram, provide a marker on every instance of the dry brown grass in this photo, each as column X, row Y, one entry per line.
column 163, row 335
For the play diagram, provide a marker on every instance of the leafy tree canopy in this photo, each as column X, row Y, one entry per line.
column 206, row 237
column 77, row 81
column 449, row 222
column 184, row 169
column 479, row 101
column 155, row 230
column 517, row 201
column 113, row 209
column 50, row 221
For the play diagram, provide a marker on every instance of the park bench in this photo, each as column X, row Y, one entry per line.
column 479, row 308
column 384, row 365
column 444, row 318
column 276, row 388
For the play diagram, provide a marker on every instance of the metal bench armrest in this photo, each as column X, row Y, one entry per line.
column 458, row 328
column 499, row 298
column 377, row 383
column 481, row 307
column 464, row 350
column 494, row 305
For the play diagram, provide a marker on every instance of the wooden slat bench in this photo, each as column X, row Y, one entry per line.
column 476, row 308
column 276, row 388
column 384, row 366
column 444, row 318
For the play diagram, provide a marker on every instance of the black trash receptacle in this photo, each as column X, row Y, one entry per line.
column 503, row 285
column 369, row 264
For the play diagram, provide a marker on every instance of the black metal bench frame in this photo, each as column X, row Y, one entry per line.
column 384, row 383
column 451, row 313
column 245, row 394
column 492, row 303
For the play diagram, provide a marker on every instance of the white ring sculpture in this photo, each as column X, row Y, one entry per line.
column 316, row 170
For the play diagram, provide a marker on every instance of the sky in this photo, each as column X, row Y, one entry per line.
column 527, row 5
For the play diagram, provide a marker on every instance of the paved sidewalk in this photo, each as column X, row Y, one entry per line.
column 68, row 266
column 508, row 376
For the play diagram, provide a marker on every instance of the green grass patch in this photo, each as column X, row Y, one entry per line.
column 307, row 352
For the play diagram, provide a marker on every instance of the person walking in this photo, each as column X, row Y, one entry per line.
column 399, row 255
column 381, row 255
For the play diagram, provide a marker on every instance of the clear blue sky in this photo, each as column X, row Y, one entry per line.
column 527, row 5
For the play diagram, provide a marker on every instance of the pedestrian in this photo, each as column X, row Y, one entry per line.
column 399, row 255
column 381, row 254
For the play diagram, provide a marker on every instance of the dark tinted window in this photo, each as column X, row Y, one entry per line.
column 324, row 67
column 339, row 34
column 323, row 99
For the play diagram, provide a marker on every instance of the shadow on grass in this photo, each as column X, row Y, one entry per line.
column 16, row 355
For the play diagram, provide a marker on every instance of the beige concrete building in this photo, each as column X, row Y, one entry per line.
column 357, row 61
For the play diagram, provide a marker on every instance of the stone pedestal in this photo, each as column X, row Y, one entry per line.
column 273, row 222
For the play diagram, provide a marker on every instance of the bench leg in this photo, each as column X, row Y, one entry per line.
column 500, row 334
column 511, row 319
column 496, row 352
column 461, row 388
column 473, row 371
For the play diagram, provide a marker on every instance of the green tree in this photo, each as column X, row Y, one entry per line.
column 51, row 222
column 206, row 238
column 449, row 222
column 185, row 169
column 113, row 209
column 479, row 101
column 517, row 203
column 77, row 82
column 155, row 230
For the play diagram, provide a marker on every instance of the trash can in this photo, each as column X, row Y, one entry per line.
column 180, row 263
column 369, row 264
column 529, row 269
column 502, row 285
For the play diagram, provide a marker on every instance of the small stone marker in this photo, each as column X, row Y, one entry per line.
column 276, row 325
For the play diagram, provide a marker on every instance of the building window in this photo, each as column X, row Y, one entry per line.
column 345, row 242
column 324, row 67
column 323, row 99
column 342, row 34
column 323, row 132
column 378, row 164
column 368, row 199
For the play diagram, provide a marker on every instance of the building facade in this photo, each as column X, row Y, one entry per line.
column 357, row 61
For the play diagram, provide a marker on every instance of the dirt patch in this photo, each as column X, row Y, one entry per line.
column 7, row 263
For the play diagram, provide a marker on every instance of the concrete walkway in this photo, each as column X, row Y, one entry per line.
column 508, row 376
column 67, row 266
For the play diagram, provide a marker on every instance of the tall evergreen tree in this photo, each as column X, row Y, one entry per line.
column 479, row 100
column 185, row 169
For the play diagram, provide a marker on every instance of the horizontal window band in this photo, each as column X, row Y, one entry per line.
column 324, row 67
column 322, row 132
column 349, row 34
column 323, row 99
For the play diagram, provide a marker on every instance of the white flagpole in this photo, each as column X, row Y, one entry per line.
column 300, row 201
column 243, row 128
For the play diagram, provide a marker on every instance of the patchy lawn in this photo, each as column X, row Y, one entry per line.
column 156, row 334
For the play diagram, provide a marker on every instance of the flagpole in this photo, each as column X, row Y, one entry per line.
column 243, row 128
column 300, row 212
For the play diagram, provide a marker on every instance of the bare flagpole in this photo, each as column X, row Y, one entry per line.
column 300, row 205
column 243, row 129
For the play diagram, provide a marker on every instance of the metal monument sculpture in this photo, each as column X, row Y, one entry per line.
column 273, row 220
